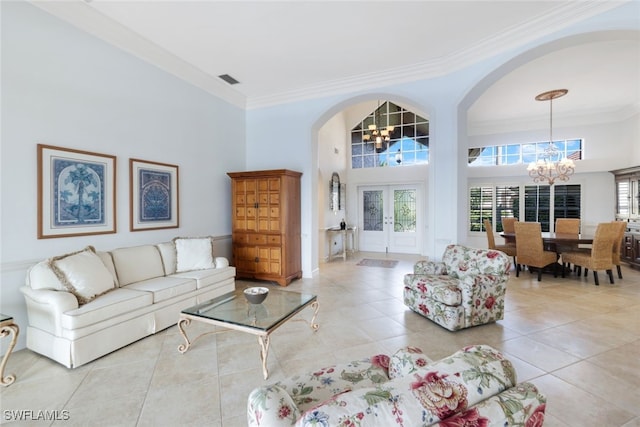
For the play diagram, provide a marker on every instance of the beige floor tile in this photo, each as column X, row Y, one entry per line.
column 195, row 403
column 571, row 341
column 46, row 394
column 381, row 328
column 633, row 423
column 551, row 421
column 540, row 355
column 236, row 391
column 121, row 411
column 577, row 407
column 622, row 362
column 110, row 382
column 601, row 383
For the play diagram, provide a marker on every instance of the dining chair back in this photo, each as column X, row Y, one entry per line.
column 507, row 224
column 600, row 257
column 491, row 242
column 617, row 246
column 568, row 225
column 530, row 249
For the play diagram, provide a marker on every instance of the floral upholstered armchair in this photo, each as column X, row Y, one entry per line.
column 474, row 386
column 465, row 289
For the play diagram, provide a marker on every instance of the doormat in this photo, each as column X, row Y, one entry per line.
column 386, row 263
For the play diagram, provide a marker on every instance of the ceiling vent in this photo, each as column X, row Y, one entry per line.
column 227, row 78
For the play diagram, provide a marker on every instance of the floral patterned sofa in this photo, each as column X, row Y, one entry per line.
column 475, row 386
column 465, row 289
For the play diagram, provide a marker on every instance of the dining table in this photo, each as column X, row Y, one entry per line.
column 552, row 241
column 549, row 238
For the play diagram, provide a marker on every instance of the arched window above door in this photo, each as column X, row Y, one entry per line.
column 390, row 136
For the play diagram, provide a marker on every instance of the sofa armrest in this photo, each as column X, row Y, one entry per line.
column 520, row 405
column 429, row 267
column 483, row 298
column 271, row 406
column 45, row 308
column 221, row 262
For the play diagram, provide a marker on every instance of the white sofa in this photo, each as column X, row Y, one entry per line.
column 83, row 305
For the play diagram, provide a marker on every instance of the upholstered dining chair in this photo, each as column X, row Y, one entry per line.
column 507, row 224
column 491, row 241
column 600, row 257
column 530, row 249
column 568, row 225
column 617, row 246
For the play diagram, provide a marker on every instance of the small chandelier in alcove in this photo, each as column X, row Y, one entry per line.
column 551, row 167
column 379, row 136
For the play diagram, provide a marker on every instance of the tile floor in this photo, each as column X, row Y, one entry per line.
column 580, row 344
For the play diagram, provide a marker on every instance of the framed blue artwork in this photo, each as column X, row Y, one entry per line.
column 153, row 194
column 76, row 192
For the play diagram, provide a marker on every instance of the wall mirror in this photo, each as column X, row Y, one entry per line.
column 334, row 193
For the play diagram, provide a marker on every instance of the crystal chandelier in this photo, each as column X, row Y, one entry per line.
column 551, row 166
column 378, row 135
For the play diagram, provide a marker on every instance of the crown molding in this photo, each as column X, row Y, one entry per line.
column 558, row 18
column 81, row 15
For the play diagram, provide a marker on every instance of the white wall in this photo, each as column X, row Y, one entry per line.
column 332, row 157
column 63, row 87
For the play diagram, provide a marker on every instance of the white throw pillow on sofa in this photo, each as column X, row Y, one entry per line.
column 194, row 253
column 41, row 276
column 83, row 274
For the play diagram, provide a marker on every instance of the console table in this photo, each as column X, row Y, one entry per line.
column 350, row 233
column 7, row 327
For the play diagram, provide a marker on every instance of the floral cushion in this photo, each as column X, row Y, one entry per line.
column 406, row 361
column 432, row 394
column 429, row 267
column 474, row 386
column 301, row 392
column 521, row 405
column 463, row 262
column 443, row 289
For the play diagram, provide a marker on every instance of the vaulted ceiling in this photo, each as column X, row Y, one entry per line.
column 282, row 51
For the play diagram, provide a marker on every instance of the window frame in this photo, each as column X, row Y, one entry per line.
column 547, row 225
column 408, row 145
column 528, row 152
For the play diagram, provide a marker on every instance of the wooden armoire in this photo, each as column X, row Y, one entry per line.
column 266, row 225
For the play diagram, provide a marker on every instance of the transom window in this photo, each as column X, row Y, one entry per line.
column 511, row 154
column 408, row 142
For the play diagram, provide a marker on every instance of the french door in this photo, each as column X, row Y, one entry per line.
column 389, row 219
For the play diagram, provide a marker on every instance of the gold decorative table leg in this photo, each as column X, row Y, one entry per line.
column 313, row 324
column 182, row 348
column 264, row 352
column 6, row 330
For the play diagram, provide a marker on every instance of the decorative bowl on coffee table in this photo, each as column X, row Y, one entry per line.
column 256, row 295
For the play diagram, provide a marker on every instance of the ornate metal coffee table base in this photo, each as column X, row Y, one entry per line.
column 8, row 327
column 263, row 336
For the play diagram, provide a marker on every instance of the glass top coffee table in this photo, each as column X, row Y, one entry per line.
column 233, row 312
